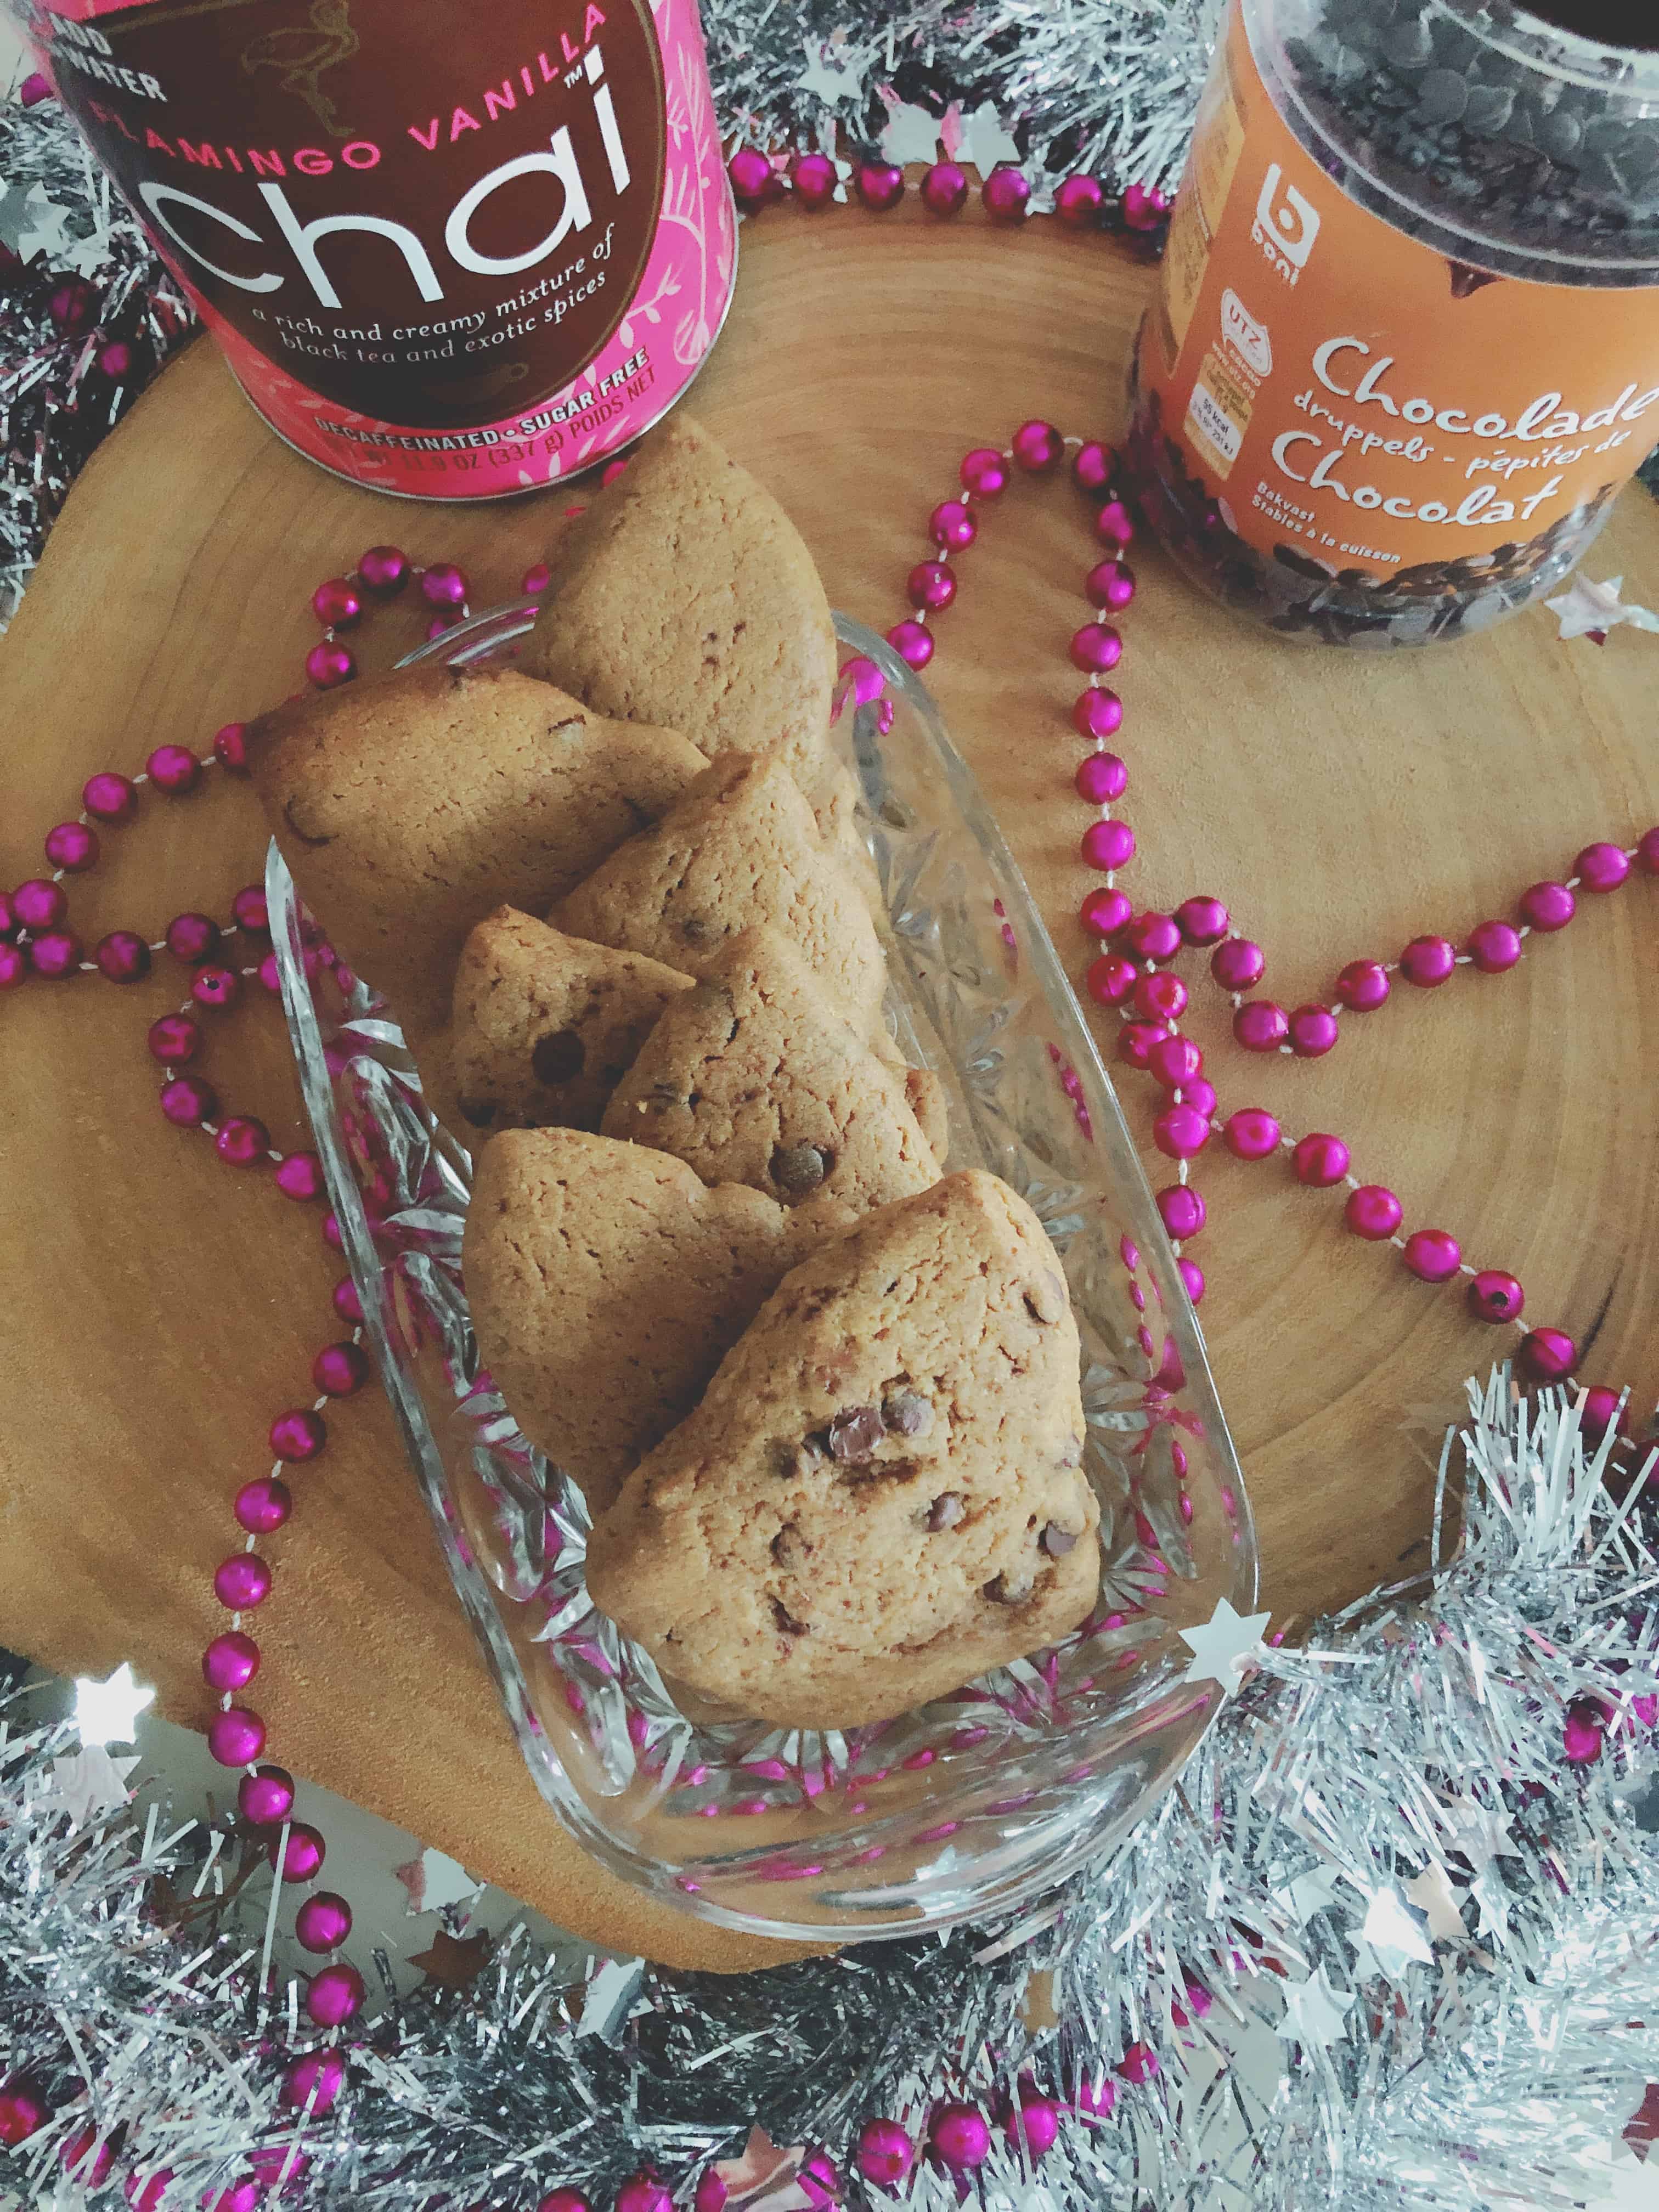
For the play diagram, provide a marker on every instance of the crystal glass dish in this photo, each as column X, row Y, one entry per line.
column 979, row 1801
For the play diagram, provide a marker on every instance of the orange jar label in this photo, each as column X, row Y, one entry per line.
column 1347, row 396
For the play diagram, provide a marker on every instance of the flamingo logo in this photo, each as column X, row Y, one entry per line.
column 303, row 53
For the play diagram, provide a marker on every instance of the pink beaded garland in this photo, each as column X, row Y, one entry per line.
column 945, row 188
column 880, row 186
column 55, row 953
column 236, row 1736
column 1111, row 586
column 263, row 1505
column 340, row 1369
column 535, row 578
column 192, row 938
column 22, row 2110
column 109, row 798
column 1601, row 867
column 337, row 604
column 913, row 641
column 1033, row 2125
column 345, row 1300
column 1006, row 193
column 147, row 2192
column 1138, row 2063
column 173, row 1039
column 123, row 956
column 323, row 1922
column 643, row 2192
column 1108, row 844
column 1182, row 1209
column 1098, row 713
column 1427, row 961
column 384, row 570
column 930, row 587
column 298, row 1435
column 444, row 584
column 1154, row 936
column 1432, row 1255
column 230, row 747
column 88, row 2159
column 1373, row 1211
column 711, row 2192
column 1080, row 201
column 335, row 1995
column 1093, row 467
column 1548, row 1355
column 951, row 525
column 241, row 1582
column 1599, row 1410
column 312, row 2084
column 249, row 912
column 1494, row 946
column 230, row 1662
column 1110, row 979
column 1320, row 1160
column 265, row 1798
column 1096, row 649
column 215, row 986
column 1200, row 1095
column 959, row 2135
column 885, row 2153
column 1098, row 2099
column 1647, row 851
column 72, row 846
column 9, row 924
column 1180, row 1133
column 173, row 770
column 1362, row 986
column 188, row 1101
column 241, row 1141
column 1038, row 446
column 1237, row 965
column 1100, row 778
column 1115, row 524
column 1192, row 1277
column 1495, row 1296
column 329, row 665
column 1548, row 907
column 1135, row 1041
column 1251, row 1134
column 302, row 1857
column 1201, row 920
column 1106, row 912
column 1313, row 1032
column 1582, row 1733
column 299, row 1176
column 39, row 904
column 14, row 966
column 1260, row 1026
column 1162, row 998
column 983, row 472
column 753, row 180
column 1144, row 207
column 814, row 178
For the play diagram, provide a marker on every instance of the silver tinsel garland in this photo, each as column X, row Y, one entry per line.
column 1381, row 1856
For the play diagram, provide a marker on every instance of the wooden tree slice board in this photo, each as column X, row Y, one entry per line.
column 163, row 1308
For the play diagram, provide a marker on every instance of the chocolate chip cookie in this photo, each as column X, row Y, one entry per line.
column 881, row 1494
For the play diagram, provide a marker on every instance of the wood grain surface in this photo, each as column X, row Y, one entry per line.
column 162, row 1307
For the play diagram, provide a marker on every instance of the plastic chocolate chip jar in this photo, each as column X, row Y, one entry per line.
column 1405, row 347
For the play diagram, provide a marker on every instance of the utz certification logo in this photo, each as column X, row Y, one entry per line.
column 1245, row 335
column 1285, row 225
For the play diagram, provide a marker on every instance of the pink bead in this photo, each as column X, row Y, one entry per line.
column 930, row 587
column 1101, row 778
column 1251, row 1134
column 753, row 180
column 1548, row 907
column 40, row 904
column 323, row 1922
column 236, row 1738
column 983, row 472
column 299, row 1176
column 1093, row 467
column 250, row 912
column 193, row 939
column 340, row 1369
column 1548, row 1355
column 384, row 570
column 643, row 2192
column 1261, row 1026
column 1110, row 979
column 242, row 1142
column 241, row 1582
column 1199, row 1095
column 444, row 584
column 711, row 2192
column 1154, row 936
column 1006, row 193
column 885, row 2152
column 1313, row 1032
column 1180, row 1133
column 819, row 2180
column 1138, row 2063
column 913, row 641
column 313, row 2083
column 1373, row 1213
column 945, row 188
column 230, row 1662
column 1238, row 965
column 1111, row 586
column 22, row 2109
column 298, row 1435
column 1647, row 852
column 1162, row 998
column 173, row 770
column 283, row 2169
column 1135, row 1041
column 1033, row 2125
column 109, row 798
column 123, row 956
column 265, row 1798
column 564, row 2200
column 335, row 1995
column 230, row 747
column 1582, row 1733
column 54, row 954
column 535, row 578
column 880, row 186
column 173, row 1040
column 330, row 665
column 147, row 2192
column 14, row 966
column 9, row 924
column 1106, row 913
column 337, row 604
column 959, row 2135
column 86, row 2159
column 1038, row 446
column 1098, row 713
column 263, row 1505
column 813, row 176
column 72, row 846
column 331, row 1236
column 1097, row 2098
column 1108, row 844
column 1599, row 1410
column 1494, row 946
column 1183, row 1210
column 70, row 304
column 302, row 1860
column 1144, row 207
column 1601, row 867
column 1115, row 524
column 215, row 986
column 1320, row 1160
column 188, row 1101
column 1362, row 986
column 1201, row 920
column 950, row 523
column 346, row 1302
column 1432, row 1255
column 1079, row 202
column 1495, row 1296
column 1427, row 961
column 1096, row 649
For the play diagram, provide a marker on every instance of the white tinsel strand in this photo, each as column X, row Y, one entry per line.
column 1420, row 1731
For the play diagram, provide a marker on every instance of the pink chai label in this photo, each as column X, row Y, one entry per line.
column 447, row 252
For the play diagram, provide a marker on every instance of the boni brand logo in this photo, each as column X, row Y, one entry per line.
column 1247, row 337
column 1285, row 224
